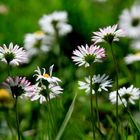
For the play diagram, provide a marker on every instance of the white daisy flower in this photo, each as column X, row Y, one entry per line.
column 55, row 22
column 37, row 42
column 44, row 76
column 128, row 95
column 88, row 55
column 130, row 21
column 41, row 92
column 131, row 58
column 18, row 86
column 13, row 55
column 99, row 83
column 135, row 44
column 36, row 95
column 108, row 34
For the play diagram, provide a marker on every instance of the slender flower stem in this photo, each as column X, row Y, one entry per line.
column 8, row 67
column 91, row 106
column 97, row 110
column 127, row 107
column 117, row 95
column 17, row 117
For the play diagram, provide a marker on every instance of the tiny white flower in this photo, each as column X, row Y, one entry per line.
column 128, row 95
column 130, row 21
column 13, row 55
column 131, row 58
column 44, row 76
column 88, row 55
column 99, row 83
column 108, row 34
column 55, row 22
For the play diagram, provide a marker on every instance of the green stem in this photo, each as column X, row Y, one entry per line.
column 97, row 110
column 17, row 117
column 91, row 107
column 8, row 67
column 127, row 122
column 117, row 95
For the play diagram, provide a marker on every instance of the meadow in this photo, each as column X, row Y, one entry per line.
column 69, row 70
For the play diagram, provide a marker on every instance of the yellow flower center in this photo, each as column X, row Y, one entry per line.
column 4, row 94
column 137, row 54
column 39, row 33
column 46, row 75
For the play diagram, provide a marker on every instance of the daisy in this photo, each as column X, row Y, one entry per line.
column 37, row 42
column 18, row 86
column 108, row 34
column 44, row 93
column 99, row 83
column 55, row 23
column 13, row 55
column 44, row 76
column 88, row 55
column 128, row 95
column 131, row 58
column 130, row 21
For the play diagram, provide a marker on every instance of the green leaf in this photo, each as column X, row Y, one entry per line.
column 66, row 120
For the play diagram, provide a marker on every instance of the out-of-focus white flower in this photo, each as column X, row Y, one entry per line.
column 99, row 83
column 130, row 21
column 3, row 9
column 55, row 23
column 13, row 55
column 88, row 55
column 18, row 86
column 136, row 44
column 128, row 95
column 37, row 42
column 108, row 34
column 45, row 76
column 131, row 58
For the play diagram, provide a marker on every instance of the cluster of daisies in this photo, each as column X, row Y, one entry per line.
column 130, row 22
column 88, row 55
column 46, row 86
column 53, row 27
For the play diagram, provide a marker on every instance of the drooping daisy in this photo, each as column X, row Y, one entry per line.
column 128, row 95
column 55, row 23
column 130, row 21
column 108, row 34
column 99, row 83
column 45, row 93
column 88, row 55
column 18, row 86
column 37, row 42
column 13, row 55
column 44, row 76
column 131, row 58
column 135, row 44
